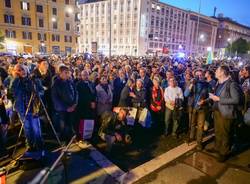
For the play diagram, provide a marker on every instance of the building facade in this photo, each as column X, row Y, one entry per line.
column 139, row 27
column 38, row 26
column 229, row 31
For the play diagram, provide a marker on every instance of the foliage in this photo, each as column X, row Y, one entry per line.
column 240, row 46
column 1, row 40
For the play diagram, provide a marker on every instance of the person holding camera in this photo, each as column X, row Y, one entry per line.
column 113, row 128
column 173, row 96
column 4, row 121
column 27, row 105
column 197, row 94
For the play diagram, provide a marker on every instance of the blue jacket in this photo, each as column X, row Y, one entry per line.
column 21, row 90
column 199, row 92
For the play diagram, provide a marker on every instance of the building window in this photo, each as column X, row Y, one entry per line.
column 53, row 0
column 66, row 1
column 8, row 3
column 55, row 38
column 67, row 25
column 67, row 14
column 9, row 19
column 26, row 21
column 41, row 23
column 54, row 11
column 27, row 35
column 39, row 8
column 10, row 34
column 41, row 36
column 68, row 50
column 54, row 25
column 25, row 5
column 56, row 49
column 67, row 38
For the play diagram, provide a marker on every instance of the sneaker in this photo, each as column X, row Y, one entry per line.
column 222, row 158
column 199, row 147
column 189, row 140
column 211, row 150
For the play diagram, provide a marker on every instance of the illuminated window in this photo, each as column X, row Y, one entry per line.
column 25, row 5
column 10, row 34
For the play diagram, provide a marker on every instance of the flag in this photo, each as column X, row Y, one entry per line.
column 209, row 57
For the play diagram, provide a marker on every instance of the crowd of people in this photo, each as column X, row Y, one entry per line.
column 176, row 92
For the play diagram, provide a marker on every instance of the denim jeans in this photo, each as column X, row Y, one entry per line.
column 32, row 130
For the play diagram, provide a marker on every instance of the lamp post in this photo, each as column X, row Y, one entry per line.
column 110, row 27
column 230, row 45
column 197, row 30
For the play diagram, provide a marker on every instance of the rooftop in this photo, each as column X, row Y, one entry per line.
column 227, row 19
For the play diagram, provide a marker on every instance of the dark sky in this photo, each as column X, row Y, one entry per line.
column 238, row 10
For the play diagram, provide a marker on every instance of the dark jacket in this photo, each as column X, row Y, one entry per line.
column 64, row 94
column 140, row 100
column 118, row 85
column 229, row 100
column 110, row 124
column 125, row 99
column 86, row 97
column 46, row 81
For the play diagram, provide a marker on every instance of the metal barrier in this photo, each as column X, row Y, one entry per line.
column 43, row 175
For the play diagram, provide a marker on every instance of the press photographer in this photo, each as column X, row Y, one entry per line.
column 114, row 129
column 27, row 105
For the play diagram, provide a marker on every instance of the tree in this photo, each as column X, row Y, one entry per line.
column 240, row 46
column 1, row 40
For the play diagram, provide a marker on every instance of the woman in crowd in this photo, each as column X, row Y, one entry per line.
column 104, row 96
column 157, row 104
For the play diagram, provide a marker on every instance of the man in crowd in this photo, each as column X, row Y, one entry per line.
column 226, row 101
column 113, row 128
column 173, row 95
column 118, row 85
column 197, row 94
column 26, row 103
column 65, row 98
column 87, row 100
column 147, row 84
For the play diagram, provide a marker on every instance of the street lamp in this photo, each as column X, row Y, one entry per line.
column 202, row 37
column 70, row 10
column 110, row 28
column 230, row 45
column 53, row 19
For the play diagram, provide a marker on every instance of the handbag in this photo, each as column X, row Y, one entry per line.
column 86, row 128
column 145, row 118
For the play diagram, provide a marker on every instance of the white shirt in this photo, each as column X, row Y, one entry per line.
column 170, row 93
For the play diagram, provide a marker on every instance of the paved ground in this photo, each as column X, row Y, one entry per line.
column 80, row 168
column 202, row 168
column 152, row 159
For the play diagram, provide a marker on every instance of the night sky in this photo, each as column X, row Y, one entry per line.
column 238, row 10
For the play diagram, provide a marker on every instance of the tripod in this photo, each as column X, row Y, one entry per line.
column 34, row 94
